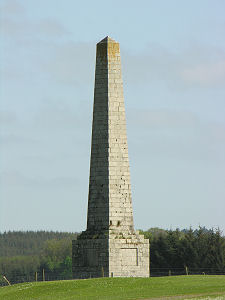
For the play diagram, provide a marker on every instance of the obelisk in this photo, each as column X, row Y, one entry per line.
column 110, row 246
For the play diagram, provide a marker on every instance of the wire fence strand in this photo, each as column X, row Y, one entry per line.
column 46, row 275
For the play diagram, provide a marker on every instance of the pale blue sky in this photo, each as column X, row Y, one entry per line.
column 173, row 61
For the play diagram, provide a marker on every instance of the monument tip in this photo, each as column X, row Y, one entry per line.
column 107, row 39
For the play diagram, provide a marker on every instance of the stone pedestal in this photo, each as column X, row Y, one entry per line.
column 117, row 256
column 90, row 258
column 109, row 246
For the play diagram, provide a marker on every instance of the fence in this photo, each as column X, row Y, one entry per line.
column 157, row 272
column 45, row 275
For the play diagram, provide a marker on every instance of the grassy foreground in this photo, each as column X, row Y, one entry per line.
column 118, row 288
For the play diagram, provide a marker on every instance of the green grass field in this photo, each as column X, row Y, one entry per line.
column 197, row 286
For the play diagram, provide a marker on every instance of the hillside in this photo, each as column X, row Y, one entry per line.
column 119, row 288
column 24, row 254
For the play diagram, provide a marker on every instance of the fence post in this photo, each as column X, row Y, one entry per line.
column 186, row 269
column 6, row 280
column 43, row 274
column 102, row 272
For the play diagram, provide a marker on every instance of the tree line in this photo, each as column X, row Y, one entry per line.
column 177, row 251
column 16, row 243
column 29, row 256
column 24, row 255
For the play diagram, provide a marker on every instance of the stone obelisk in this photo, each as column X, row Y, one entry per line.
column 110, row 246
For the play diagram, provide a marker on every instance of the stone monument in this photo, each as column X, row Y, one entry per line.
column 110, row 246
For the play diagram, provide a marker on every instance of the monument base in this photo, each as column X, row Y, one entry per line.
column 119, row 255
column 90, row 258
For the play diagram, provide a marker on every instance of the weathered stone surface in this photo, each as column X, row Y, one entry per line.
column 109, row 246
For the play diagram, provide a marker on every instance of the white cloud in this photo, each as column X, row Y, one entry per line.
column 8, row 118
column 18, row 179
column 12, row 7
column 51, row 27
column 179, row 135
column 9, row 140
column 16, row 24
column 206, row 74
column 27, row 29
column 163, row 119
column 200, row 66
column 71, row 63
